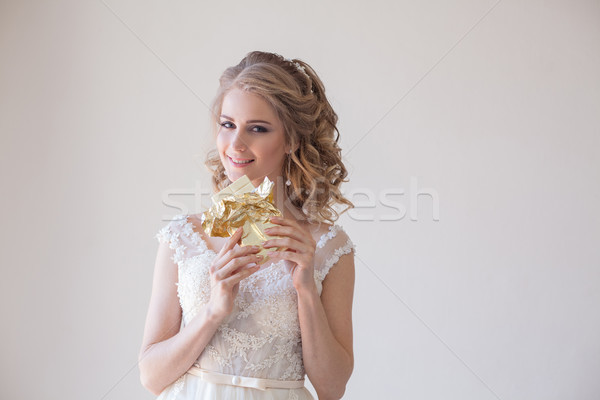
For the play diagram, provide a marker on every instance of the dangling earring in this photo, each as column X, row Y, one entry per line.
column 288, row 182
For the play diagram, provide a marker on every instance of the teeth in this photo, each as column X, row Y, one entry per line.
column 241, row 162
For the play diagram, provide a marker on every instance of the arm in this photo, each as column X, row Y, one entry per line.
column 326, row 325
column 167, row 352
column 326, row 321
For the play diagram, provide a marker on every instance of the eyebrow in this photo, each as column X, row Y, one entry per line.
column 248, row 122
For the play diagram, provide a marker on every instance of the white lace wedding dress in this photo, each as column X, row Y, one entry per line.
column 261, row 337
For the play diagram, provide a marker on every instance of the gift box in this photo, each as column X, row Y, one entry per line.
column 241, row 204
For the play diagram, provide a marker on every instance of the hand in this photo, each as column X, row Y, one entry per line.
column 228, row 268
column 301, row 250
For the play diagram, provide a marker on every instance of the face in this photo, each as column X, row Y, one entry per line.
column 250, row 130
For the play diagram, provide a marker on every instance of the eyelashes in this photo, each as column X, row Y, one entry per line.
column 261, row 128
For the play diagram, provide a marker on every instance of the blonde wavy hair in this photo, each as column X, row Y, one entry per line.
column 316, row 170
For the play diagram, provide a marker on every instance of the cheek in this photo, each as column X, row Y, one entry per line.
column 268, row 152
column 221, row 147
column 270, row 146
column 220, row 141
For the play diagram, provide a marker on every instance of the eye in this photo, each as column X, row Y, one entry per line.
column 260, row 128
column 224, row 124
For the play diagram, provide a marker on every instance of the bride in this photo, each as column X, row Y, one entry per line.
column 223, row 324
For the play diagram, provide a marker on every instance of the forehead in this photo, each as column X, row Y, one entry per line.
column 240, row 104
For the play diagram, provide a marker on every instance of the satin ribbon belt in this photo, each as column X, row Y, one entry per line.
column 245, row 381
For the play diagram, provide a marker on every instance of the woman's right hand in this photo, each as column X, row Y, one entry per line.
column 228, row 268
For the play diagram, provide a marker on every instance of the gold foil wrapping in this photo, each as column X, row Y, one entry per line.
column 241, row 204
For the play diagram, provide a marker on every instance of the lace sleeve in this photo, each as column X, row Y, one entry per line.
column 330, row 248
column 170, row 234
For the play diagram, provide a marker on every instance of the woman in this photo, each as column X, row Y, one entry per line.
column 223, row 325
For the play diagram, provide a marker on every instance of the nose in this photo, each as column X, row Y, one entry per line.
column 238, row 141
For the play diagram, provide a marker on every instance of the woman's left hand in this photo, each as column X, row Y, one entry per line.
column 300, row 250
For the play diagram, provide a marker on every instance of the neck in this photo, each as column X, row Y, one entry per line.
column 284, row 204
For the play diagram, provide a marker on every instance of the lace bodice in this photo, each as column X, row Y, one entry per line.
column 261, row 337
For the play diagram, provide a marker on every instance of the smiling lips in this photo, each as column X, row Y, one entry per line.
column 240, row 162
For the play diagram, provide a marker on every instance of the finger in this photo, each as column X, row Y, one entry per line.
column 236, row 264
column 291, row 225
column 224, row 259
column 241, row 274
column 231, row 242
column 285, row 222
column 289, row 231
column 288, row 255
column 293, row 244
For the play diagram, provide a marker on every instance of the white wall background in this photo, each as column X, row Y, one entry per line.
column 493, row 105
